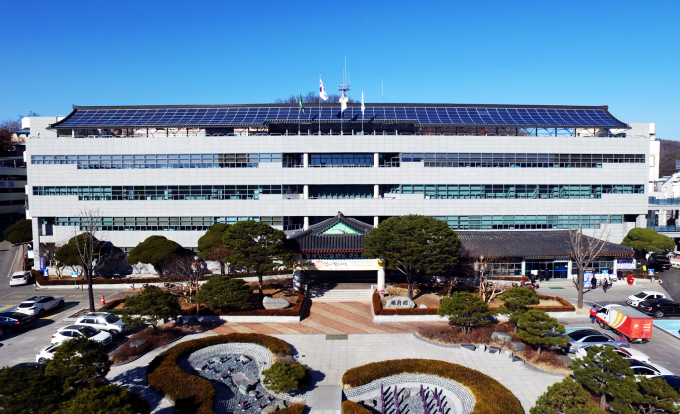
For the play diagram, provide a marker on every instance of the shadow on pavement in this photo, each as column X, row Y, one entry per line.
column 135, row 381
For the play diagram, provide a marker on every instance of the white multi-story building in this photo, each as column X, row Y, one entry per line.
column 176, row 170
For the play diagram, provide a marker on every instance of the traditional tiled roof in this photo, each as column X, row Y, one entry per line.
column 313, row 240
column 538, row 244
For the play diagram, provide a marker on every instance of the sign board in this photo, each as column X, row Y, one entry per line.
column 46, row 272
column 651, row 272
column 74, row 274
column 382, row 292
column 625, row 264
column 29, row 254
column 588, row 279
column 42, row 264
column 360, row 264
column 605, row 272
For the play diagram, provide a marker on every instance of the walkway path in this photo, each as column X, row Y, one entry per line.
column 328, row 318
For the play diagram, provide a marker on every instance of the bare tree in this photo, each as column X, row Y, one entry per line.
column 91, row 253
column 188, row 269
column 582, row 251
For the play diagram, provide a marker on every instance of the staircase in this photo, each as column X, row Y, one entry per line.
column 341, row 292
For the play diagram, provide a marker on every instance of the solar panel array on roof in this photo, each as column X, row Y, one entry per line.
column 547, row 117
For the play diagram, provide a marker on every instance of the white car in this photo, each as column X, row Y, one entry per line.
column 103, row 321
column 46, row 353
column 75, row 331
column 20, row 278
column 647, row 369
column 634, row 300
column 39, row 305
column 627, row 353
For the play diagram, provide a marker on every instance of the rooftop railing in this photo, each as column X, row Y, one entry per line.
column 180, row 135
column 664, row 201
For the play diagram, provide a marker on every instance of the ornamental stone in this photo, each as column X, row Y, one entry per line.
column 275, row 303
column 400, row 302
column 269, row 409
column 423, row 306
column 137, row 343
column 517, row 346
column 501, row 337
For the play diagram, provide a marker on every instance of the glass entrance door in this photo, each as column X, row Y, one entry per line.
column 560, row 270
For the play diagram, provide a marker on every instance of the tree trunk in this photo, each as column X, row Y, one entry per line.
column 259, row 280
column 154, row 328
column 90, row 293
column 198, row 308
column 579, row 288
column 221, row 267
column 538, row 351
column 603, row 401
column 409, row 281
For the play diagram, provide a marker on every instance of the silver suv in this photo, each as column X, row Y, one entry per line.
column 103, row 321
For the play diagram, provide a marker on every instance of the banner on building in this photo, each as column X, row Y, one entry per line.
column 626, row 264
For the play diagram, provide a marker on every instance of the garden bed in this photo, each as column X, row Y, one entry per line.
column 549, row 360
column 490, row 396
column 191, row 393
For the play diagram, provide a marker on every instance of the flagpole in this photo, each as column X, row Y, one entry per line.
column 299, row 108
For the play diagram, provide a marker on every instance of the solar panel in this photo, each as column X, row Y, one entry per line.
column 430, row 115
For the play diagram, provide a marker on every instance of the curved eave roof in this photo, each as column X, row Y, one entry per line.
column 219, row 116
column 312, row 241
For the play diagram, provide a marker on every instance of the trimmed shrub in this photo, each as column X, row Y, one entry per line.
column 282, row 377
column 491, row 397
column 350, row 407
column 193, row 394
column 293, row 409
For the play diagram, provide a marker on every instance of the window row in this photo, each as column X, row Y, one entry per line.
column 341, row 160
column 528, row 222
column 152, row 161
column 164, row 192
column 520, row 160
column 481, row 191
column 167, row 223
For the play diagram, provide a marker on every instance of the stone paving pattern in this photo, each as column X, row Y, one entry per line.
column 329, row 318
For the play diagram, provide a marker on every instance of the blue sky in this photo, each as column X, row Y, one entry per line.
column 625, row 54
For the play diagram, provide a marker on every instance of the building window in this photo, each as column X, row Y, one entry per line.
column 167, row 192
column 340, row 191
column 528, row 222
column 521, row 191
column 652, row 160
column 512, row 160
column 340, row 160
column 155, row 161
column 162, row 223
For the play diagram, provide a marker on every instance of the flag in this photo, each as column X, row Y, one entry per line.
column 302, row 106
column 343, row 102
column 322, row 92
column 363, row 107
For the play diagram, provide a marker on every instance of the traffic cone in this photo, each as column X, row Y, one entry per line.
column 103, row 301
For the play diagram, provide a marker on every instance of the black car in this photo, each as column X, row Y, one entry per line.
column 673, row 381
column 659, row 308
column 658, row 262
column 14, row 321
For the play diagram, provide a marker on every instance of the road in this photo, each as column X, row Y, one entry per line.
column 24, row 345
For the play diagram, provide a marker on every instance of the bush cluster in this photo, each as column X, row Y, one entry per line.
column 294, row 311
column 491, row 397
column 293, row 409
column 193, row 394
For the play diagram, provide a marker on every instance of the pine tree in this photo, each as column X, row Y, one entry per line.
column 601, row 370
column 516, row 300
column 466, row 310
column 651, row 395
column 79, row 362
column 150, row 307
column 566, row 397
column 535, row 327
column 225, row 292
column 108, row 399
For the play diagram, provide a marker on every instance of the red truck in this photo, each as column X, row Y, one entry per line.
column 634, row 325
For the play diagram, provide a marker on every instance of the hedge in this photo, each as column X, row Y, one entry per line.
column 378, row 309
column 491, row 397
column 350, row 407
column 293, row 409
column 294, row 311
column 102, row 280
column 193, row 394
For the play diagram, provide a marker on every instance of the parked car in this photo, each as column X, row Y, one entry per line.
column 75, row 331
column 648, row 295
column 586, row 337
column 14, row 321
column 39, row 305
column 46, row 353
column 660, row 308
column 626, row 353
column 20, row 278
column 103, row 321
column 658, row 262
column 648, row 370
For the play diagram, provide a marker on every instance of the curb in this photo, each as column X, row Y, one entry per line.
column 526, row 365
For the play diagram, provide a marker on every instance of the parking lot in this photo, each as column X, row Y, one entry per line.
column 23, row 346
